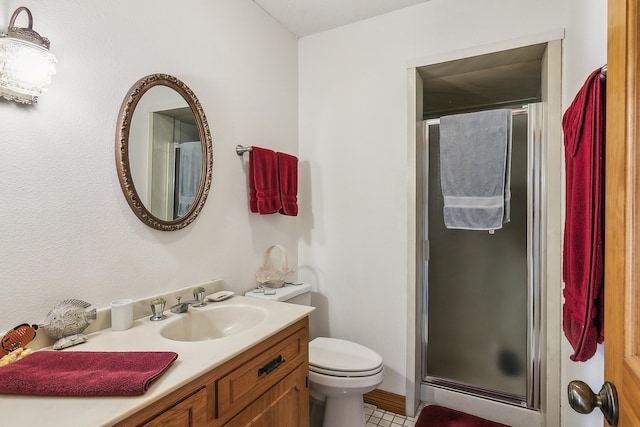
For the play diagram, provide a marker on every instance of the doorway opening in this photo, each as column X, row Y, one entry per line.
column 505, row 368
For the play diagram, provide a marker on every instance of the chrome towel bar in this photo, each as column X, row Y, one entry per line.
column 240, row 150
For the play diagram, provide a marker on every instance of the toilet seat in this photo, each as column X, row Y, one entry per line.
column 342, row 358
column 345, row 373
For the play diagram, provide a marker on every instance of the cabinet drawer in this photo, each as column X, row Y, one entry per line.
column 241, row 386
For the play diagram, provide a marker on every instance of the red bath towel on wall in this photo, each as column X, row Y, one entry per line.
column 264, row 189
column 288, row 174
column 583, row 256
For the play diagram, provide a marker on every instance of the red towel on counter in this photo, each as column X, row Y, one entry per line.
column 583, row 257
column 288, row 174
column 264, row 191
column 79, row 373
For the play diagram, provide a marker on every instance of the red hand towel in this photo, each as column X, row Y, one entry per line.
column 264, row 192
column 583, row 257
column 80, row 373
column 288, row 173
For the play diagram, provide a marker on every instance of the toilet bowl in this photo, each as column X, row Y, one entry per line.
column 340, row 371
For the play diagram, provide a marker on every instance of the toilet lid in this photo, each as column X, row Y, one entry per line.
column 334, row 356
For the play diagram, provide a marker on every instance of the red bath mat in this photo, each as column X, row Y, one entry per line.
column 434, row 415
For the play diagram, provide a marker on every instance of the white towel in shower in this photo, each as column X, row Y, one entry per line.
column 189, row 172
column 475, row 169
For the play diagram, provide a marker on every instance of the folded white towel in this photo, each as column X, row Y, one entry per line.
column 475, row 169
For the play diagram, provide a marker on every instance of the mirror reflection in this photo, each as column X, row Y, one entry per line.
column 164, row 152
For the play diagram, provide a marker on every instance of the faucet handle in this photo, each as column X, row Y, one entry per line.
column 198, row 295
column 157, row 308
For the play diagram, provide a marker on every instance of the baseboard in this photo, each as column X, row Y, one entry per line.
column 386, row 401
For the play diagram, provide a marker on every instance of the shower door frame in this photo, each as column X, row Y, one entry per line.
column 550, row 413
column 536, row 266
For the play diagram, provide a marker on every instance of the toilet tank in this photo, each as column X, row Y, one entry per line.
column 295, row 294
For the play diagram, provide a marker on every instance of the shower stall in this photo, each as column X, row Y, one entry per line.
column 484, row 309
column 482, row 291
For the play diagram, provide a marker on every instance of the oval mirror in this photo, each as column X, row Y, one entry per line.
column 163, row 152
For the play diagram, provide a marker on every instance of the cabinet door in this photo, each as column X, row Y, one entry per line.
column 191, row 412
column 286, row 404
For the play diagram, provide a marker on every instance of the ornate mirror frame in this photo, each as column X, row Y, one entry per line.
column 122, row 151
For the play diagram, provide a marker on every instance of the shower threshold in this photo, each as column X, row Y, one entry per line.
column 480, row 404
column 473, row 390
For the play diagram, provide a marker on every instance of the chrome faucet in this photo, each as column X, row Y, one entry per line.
column 197, row 301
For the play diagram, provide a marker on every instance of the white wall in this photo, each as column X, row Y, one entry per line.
column 67, row 231
column 353, row 137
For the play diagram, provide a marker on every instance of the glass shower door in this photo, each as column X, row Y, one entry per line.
column 479, row 288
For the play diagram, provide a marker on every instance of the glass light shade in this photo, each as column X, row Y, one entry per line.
column 25, row 69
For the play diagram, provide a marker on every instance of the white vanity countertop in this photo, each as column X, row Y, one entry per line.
column 194, row 359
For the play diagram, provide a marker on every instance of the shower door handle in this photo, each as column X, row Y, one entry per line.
column 583, row 400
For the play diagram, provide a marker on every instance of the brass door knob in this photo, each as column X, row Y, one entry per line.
column 583, row 400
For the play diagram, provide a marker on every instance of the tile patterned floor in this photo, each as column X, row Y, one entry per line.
column 377, row 417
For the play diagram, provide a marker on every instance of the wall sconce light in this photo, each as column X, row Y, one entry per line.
column 26, row 65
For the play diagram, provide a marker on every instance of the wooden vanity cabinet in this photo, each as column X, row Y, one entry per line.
column 265, row 386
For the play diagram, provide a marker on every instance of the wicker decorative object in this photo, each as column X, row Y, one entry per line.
column 270, row 276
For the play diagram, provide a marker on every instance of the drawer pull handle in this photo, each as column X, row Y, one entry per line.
column 269, row 367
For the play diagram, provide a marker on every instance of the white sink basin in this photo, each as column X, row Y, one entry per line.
column 210, row 323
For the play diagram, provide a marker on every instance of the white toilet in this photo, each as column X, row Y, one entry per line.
column 340, row 371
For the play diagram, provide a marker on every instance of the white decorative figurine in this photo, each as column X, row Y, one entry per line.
column 66, row 321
